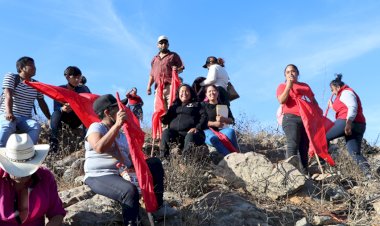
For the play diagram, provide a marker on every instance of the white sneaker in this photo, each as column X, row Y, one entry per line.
column 164, row 211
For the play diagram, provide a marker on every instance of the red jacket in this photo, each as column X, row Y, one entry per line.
column 341, row 109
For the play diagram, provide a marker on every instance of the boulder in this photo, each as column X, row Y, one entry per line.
column 259, row 175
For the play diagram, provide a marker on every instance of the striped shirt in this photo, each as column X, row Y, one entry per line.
column 23, row 97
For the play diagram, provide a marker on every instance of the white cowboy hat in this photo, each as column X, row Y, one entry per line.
column 20, row 157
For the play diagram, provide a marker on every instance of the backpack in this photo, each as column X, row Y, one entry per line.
column 17, row 79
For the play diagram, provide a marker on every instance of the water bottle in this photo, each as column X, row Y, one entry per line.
column 128, row 174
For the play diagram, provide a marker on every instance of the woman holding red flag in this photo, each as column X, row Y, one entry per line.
column 217, row 124
column 105, row 147
column 296, row 136
column 350, row 121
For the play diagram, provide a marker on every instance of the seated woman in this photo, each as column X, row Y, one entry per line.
column 105, row 147
column 217, row 122
column 186, row 120
column 28, row 192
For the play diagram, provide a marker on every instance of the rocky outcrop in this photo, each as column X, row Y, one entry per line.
column 258, row 174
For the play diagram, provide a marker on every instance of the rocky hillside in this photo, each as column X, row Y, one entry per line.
column 255, row 187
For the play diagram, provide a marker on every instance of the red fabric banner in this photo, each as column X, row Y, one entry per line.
column 135, row 137
column 159, row 111
column 316, row 126
column 225, row 141
column 174, row 86
column 81, row 103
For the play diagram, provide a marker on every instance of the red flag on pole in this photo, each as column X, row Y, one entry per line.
column 81, row 103
column 225, row 141
column 159, row 111
column 316, row 126
column 135, row 137
column 174, row 86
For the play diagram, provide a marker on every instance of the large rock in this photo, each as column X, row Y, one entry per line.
column 96, row 211
column 257, row 174
column 221, row 208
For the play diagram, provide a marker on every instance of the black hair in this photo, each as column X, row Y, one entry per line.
column 337, row 82
column 83, row 80
column 72, row 70
column 294, row 66
column 22, row 62
column 193, row 95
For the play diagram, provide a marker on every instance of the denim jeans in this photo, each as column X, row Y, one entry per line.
column 123, row 191
column 213, row 140
column 353, row 142
column 296, row 138
column 21, row 124
column 184, row 140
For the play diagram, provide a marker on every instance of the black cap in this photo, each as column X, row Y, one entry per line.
column 104, row 102
column 210, row 59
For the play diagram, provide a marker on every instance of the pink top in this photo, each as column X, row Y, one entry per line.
column 43, row 199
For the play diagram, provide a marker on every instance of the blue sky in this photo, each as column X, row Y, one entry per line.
column 113, row 42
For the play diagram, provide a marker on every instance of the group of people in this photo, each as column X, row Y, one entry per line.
column 350, row 122
column 28, row 191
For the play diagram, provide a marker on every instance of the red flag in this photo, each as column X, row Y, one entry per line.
column 315, row 125
column 159, row 111
column 81, row 103
column 174, row 86
column 135, row 137
column 225, row 141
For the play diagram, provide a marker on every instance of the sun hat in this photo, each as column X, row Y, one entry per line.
column 162, row 37
column 104, row 102
column 209, row 60
column 20, row 157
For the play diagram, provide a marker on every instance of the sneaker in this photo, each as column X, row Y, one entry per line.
column 164, row 211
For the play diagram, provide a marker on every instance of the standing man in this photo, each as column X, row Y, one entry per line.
column 162, row 65
column 17, row 102
column 63, row 111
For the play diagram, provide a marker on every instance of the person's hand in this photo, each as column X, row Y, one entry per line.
column 10, row 117
column 348, row 128
column 221, row 119
column 121, row 117
column 66, row 108
column 330, row 104
column 148, row 91
column 174, row 68
column 192, row 130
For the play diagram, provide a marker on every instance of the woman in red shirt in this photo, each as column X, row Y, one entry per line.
column 296, row 137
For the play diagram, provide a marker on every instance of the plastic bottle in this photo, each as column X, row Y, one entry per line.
column 128, row 174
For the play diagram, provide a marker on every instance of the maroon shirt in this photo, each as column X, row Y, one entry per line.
column 162, row 67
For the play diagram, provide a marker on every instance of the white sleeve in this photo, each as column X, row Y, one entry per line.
column 211, row 76
column 349, row 99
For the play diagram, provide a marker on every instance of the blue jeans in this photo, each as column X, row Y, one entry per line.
column 21, row 124
column 213, row 140
column 296, row 138
column 353, row 142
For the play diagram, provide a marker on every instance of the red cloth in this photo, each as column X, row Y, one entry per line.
column 174, row 86
column 225, row 141
column 135, row 137
column 159, row 111
column 81, row 103
column 316, row 126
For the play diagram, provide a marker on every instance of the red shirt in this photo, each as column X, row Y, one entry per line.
column 299, row 89
column 134, row 99
column 162, row 67
column 43, row 199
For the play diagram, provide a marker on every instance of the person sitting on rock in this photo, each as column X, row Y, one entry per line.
column 218, row 122
column 135, row 103
column 28, row 192
column 105, row 147
column 186, row 120
column 62, row 111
